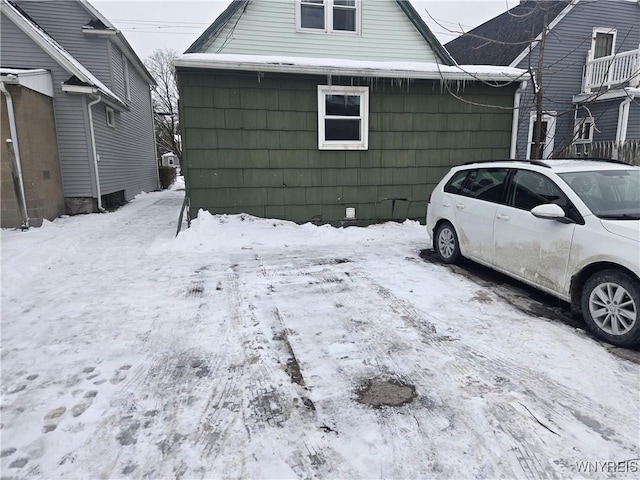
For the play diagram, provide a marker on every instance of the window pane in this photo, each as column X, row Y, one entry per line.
column 538, row 153
column 532, row 189
column 456, row 182
column 343, row 105
column 345, row 3
column 344, row 19
column 604, row 45
column 312, row 16
column 487, row 184
column 342, row 129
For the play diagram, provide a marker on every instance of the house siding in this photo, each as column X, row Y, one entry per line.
column 252, row 145
column 565, row 56
column 64, row 24
column 17, row 50
column 127, row 152
column 387, row 34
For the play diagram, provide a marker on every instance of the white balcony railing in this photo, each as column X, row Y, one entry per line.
column 622, row 69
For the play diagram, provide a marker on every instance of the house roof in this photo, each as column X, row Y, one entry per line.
column 80, row 75
column 100, row 23
column 347, row 67
column 503, row 39
column 405, row 5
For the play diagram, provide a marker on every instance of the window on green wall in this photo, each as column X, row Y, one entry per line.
column 343, row 118
column 328, row 16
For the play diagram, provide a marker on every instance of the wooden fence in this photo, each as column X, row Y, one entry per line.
column 628, row 152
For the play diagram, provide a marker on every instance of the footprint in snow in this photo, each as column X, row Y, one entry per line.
column 52, row 419
column 120, row 374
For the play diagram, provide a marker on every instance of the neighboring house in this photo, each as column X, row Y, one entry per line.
column 590, row 71
column 331, row 111
column 101, row 100
column 30, row 169
column 169, row 159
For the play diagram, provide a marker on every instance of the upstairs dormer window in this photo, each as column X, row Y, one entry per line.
column 329, row 16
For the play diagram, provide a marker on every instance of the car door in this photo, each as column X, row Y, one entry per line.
column 530, row 248
column 475, row 209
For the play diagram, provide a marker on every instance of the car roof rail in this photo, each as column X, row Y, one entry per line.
column 596, row 159
column 539, row 163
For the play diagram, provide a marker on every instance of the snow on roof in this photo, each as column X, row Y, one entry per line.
column 64, row 58
column 361, row 68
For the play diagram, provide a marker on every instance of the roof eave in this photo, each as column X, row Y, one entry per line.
column 426, row 32
column 552, row 25
column 95, row 92
column 460, row 73
column 216, row 26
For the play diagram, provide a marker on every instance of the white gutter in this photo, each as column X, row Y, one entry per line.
column 516, row 118
column 95, row 152
column 22, row 200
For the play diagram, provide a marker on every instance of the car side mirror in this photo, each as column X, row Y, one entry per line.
column 548, row 211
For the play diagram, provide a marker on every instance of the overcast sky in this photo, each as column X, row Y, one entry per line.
column 176, row 24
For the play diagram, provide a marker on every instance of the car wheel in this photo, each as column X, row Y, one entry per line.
column 446, row 243
column 611, row 307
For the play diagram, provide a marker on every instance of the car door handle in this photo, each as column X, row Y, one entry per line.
column 460, row 205
column 501, row 216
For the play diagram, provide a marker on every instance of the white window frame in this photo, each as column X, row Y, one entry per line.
column 579, row 130
column 550, row 118
column 328, row 20
column 110, row 116
column 608, row 31
column 363, row 93
column 125, row 76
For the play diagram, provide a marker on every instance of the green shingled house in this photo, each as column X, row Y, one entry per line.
column 340, row 111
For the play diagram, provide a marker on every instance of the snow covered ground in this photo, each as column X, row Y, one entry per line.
column 241, row 348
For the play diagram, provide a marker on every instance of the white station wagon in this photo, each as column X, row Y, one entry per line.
column 568, row 227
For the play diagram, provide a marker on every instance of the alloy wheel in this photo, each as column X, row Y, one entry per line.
column 612, row 308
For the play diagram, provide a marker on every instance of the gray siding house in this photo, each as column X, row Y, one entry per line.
column 587, row 56
column 101, row 95
column 331, row 111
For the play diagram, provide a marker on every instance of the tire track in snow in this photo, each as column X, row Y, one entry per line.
column 575, row 407
column 305, row 447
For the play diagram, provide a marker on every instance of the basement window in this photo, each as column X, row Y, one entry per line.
column 111, row 117
column 343, row 118
column 329, row 16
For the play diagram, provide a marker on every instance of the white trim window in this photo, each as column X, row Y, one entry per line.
column 329, row 16
column 343, row 118
column 110, row 115
column 603, row 43
column 547, row 136
column 583, row 135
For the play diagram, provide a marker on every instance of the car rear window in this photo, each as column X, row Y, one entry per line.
column 482, row 183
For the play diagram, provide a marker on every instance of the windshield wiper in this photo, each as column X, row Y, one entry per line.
column 621, row 216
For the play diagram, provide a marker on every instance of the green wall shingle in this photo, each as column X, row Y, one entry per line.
column 251, row 145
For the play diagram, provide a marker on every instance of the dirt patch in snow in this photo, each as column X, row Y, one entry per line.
column 379, row 392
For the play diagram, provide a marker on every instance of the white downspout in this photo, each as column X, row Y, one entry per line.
column 16, row 152
column 95, row 152
column 623, row 118
column 516, row 118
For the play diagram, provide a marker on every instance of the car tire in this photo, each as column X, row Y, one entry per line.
column 446, row 243
column 610, row 305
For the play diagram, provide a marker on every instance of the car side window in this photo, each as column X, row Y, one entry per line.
column 487, row 184
column 483, row 183
column 454, row 185
column 530, row 189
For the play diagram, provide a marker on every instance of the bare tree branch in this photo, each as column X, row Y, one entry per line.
column 165, row 102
